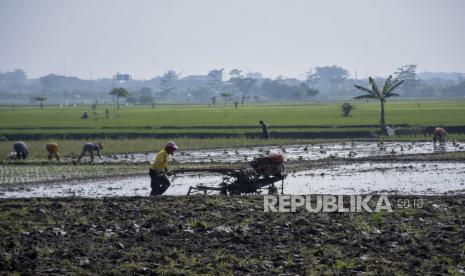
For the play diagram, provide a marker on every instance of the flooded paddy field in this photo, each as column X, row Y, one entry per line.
column 367, row 167
column 33, row 173
column 406, row 178
column 418, row 178
column 294, row 152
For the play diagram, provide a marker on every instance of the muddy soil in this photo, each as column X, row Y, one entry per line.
column 305, row 152
column 136, row 185
column 299, row 152
column 11, row 175
column 317, row 168
column 227, row 236
column 427, row 178
column 25, row 174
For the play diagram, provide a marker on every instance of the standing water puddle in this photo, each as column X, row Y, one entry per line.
column 403, row 178
column 295, row 152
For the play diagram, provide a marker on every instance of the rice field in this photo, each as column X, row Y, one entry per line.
column 52, row 118
column 203, row 127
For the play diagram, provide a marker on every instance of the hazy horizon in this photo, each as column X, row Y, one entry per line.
column 147, row 38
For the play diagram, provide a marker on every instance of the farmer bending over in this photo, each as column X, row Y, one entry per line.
column 159, row 170
column 21, row 150
column 439, row 135
column 90, row 148
column 265, row 132
column 52, row 149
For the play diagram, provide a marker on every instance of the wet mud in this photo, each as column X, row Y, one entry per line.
column 427, row 178
column 227, row 236
column 332, row 168
column 352, row 150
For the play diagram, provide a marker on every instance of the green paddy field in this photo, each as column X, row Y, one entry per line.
column 140, row 128
column 312, row 115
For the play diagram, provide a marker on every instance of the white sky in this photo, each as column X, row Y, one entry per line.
column 275, row 37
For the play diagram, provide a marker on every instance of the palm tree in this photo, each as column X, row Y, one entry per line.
column 375, row 93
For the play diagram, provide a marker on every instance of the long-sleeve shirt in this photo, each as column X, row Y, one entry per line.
column 89, row 147
column 21, row 147
column 52, row 147
column 161, row 161
column 439, row 132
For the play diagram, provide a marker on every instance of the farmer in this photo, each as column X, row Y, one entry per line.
column 52, row 149
column 265, row 132
column 159, row 170
column 21, row 150
column 90, row 148
column 439, row 134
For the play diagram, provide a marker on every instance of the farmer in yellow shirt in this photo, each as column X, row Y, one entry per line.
column 159, row 170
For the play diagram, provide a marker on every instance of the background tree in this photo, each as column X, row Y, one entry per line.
column 241, row 83
column 381, row 95
column 119, row 93
column 408, row 74
column 456, row 90
column 14, row 82
column 330, row 78
column 213, row 99
column 167, row 83
column 41, row 99
column 146, row 95
column 312, row 79
column 225, row 97
column 216, row 78
column 132, row 99
column 347, row 109
column 278, row 89
column 235, row 73
column 275, row 89
column 199, row 94
column 302, row 91
column 243, row 98
column 331, row 72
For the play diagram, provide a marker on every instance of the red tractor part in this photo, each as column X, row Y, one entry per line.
column 271, row 165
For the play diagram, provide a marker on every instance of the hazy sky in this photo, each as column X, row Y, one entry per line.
column 275, row 37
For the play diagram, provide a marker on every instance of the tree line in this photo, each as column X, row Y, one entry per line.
column 217, row 86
